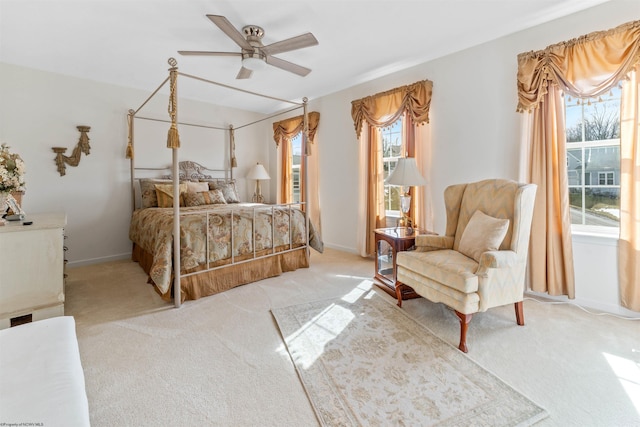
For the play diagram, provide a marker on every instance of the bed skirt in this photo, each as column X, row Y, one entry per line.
column 222, row 279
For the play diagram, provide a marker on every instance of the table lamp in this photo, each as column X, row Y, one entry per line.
column 258, row 172
column 406, row 174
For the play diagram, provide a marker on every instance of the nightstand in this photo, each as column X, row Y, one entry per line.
column 390, row 241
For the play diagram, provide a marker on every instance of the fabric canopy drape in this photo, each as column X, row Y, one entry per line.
column 585, row 67
column 370, row 114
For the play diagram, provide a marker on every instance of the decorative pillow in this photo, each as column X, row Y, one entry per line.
column 228, row 188
column 197, row 187
column 213, row 197
column 483, row 233
column 164, row 192
column 148, row 191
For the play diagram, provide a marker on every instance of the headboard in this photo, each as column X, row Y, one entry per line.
column 187, row 170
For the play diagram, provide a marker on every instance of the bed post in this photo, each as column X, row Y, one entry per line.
column 305, row 153
column 173, row 142
column 232, row 148
column 130, row 156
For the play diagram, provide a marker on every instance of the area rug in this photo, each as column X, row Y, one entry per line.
column 364, row 362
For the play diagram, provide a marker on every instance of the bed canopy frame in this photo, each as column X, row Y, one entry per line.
column 173, row 143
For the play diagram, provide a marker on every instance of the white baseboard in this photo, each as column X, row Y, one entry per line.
column 100, row 260
column 589, row 305
column 341, row 248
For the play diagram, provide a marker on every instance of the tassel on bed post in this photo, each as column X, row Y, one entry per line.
column 232, row 142
column 305, row 127
column 173, row 139
column 129, row 153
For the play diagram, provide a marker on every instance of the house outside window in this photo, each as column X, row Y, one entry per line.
column 392, row 148
column 296, row 151
column 593, row 160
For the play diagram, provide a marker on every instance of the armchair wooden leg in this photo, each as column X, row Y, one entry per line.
column 464, row 324
column 519, row 313
column 399, row 287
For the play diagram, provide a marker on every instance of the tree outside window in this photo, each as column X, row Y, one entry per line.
column 593, row 159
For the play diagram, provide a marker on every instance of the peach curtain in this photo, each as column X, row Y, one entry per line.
column 383, row 109
column 424, row 202
column 289, row 128
column 551, row 251
column 286, row 162
column 629, row 243
column 284, row 131
column 370, row 114
column 585, row 67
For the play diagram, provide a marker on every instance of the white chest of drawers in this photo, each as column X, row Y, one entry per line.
column 32, row 268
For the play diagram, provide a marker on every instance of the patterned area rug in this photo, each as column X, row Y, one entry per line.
column 364, row 362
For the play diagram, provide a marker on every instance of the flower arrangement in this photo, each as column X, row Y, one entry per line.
column 12, row 171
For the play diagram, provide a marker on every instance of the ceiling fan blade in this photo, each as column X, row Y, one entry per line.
column 244, row 73
column 288, row 66
column 231, row 31
column 298, row 42
column 207, row 53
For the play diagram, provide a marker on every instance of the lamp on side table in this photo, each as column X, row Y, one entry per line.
column 406, row 174
column 258, row 172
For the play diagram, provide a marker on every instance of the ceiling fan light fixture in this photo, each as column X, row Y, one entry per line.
column 253, row 61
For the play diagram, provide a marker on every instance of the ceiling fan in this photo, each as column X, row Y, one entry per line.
column 253, row 53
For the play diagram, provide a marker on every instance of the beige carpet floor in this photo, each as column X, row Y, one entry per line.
column 221, row 361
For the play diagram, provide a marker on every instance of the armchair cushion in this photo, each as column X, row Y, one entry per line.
column 483, row 233
column 444, row 266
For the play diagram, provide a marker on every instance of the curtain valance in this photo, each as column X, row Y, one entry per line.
column 287, row 129
column 384, row 108
column 585, row 67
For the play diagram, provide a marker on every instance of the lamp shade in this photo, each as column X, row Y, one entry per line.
column 406, row 174
column 258, row 172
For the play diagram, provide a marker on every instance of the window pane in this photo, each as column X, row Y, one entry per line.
column 602, row 120
column 574, row 166
column 296, row 151
column 573, row 121
column 602, row 206
column 392, row 149
column 593, row 159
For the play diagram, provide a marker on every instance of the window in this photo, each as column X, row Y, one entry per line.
column 392, row 147
column 593, row 159
column 296, row 152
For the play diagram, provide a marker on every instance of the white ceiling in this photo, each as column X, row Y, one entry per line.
column 128, row 42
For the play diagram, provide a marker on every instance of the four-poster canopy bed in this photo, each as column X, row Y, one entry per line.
column 223, row 243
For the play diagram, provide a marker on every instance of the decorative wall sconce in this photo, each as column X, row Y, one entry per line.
column 74, row 159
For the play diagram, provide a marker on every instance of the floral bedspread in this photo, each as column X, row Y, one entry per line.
column 152, row 228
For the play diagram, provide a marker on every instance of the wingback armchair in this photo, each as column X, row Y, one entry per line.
column 481, row 260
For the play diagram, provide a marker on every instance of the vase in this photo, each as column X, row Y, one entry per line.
column 7, row 199
column 18, row 196
column 3, row 202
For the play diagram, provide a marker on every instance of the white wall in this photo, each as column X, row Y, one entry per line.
column 475, row 133
column 41, row 110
